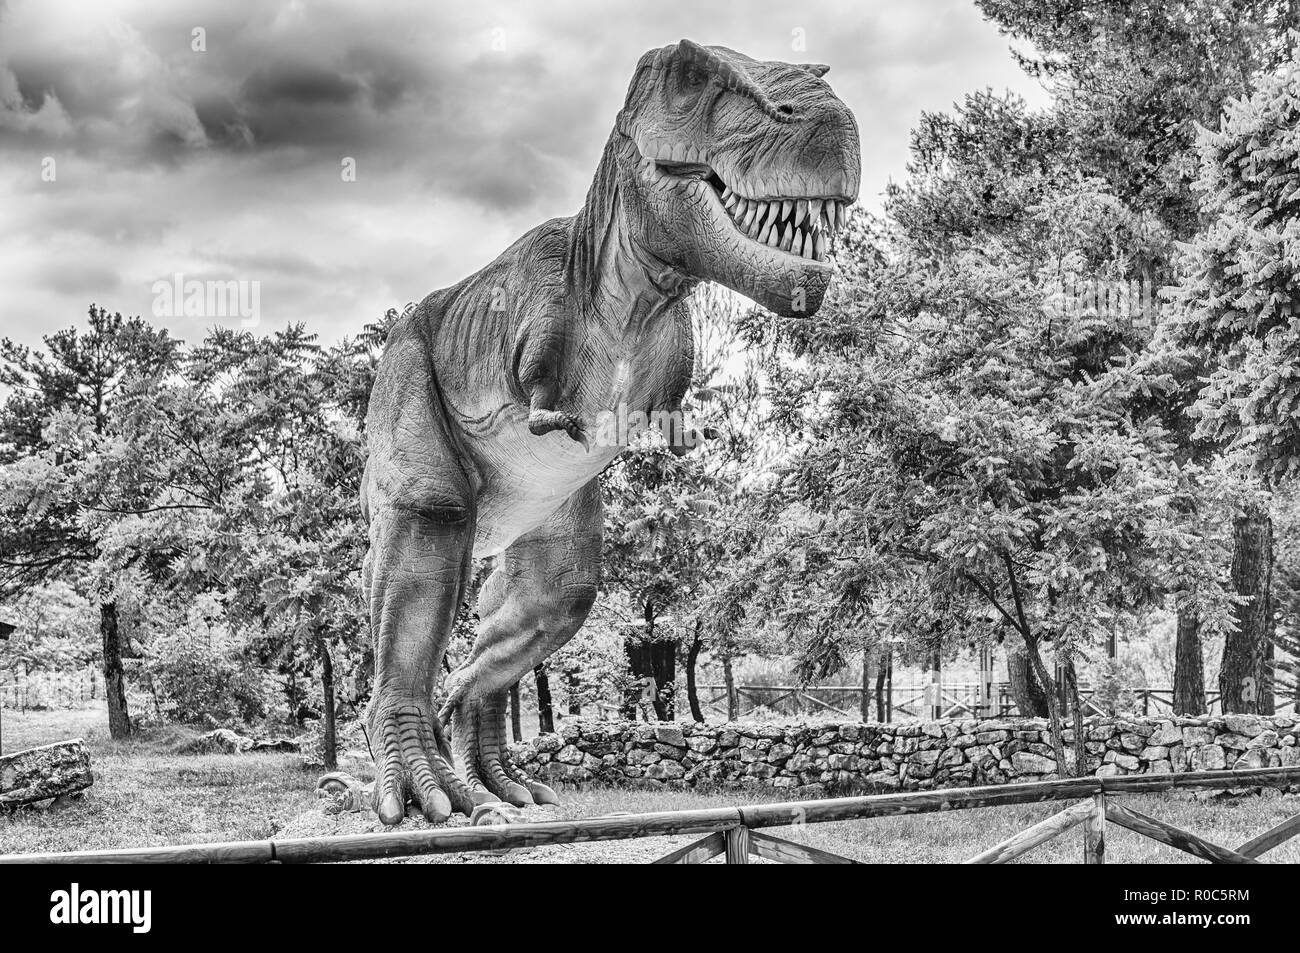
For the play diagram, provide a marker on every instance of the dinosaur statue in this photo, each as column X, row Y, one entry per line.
column 719, row 168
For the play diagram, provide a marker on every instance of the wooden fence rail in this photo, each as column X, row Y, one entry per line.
column 40, row 689
column 737, row 832
column 909, row 701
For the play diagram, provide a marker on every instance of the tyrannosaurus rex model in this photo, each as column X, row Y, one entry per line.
column 720, row 168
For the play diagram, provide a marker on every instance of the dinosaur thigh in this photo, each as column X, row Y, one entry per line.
column 534, row 601
column 538, row 595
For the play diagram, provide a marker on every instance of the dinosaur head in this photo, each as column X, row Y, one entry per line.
column 742, row 170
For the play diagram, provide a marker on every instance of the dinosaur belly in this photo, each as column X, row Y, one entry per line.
column 526, row 477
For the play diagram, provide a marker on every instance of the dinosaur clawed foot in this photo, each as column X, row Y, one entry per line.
column 544, row 421
column 478, row 730
column 412, row 764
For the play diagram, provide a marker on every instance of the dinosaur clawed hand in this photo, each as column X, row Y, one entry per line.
column 412, row 764
column 478, row 731
column 544, row 421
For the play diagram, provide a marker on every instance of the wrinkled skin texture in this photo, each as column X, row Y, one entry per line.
column 482, row 417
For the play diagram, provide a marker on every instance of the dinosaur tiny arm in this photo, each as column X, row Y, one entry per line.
column 543, row 418
column 540, row 354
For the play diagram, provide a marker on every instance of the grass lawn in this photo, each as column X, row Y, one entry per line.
column 147, row 794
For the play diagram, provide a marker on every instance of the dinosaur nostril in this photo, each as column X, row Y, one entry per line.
column 785, row 109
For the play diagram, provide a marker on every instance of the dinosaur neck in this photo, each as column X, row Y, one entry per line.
column 609, row 266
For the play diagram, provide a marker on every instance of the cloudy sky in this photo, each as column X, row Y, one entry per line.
column 468, row 124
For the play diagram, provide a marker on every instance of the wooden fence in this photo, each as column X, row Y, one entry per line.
column 910, row 702
column 36, row 690
column 739, row 832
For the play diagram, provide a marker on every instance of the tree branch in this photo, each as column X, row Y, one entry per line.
column 1015, row 594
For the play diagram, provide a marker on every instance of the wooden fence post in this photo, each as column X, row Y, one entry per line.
column 986, row 683
column 1094, row 832
column 738, row 844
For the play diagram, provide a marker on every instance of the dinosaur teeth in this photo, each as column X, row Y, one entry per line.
column 814, row 209
column 803, row 227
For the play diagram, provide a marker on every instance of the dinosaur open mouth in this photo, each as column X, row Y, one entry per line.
column 800, row 226
column 804, row 227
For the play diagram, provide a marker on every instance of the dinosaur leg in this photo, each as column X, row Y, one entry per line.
column 420, row 504
column 531, row 605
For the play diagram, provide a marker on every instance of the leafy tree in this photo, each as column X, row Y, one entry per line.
column 54, row 626
column 1133, row 82
column 272, row 428
column 1133, row 79
column 1236, row 306
column 989, row 458
column 1238, row 294
column 74, row 486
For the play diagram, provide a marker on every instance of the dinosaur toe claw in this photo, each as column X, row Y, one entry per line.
column 542, row 794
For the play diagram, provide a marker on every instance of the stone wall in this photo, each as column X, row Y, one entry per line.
column 818, row 758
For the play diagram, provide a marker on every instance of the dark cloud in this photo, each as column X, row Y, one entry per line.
column 299, row 84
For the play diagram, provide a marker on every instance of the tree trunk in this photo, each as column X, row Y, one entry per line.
column 1268, row 676
column 330, row 741
column 1053, row 708
column 1241, row 674
column 1269, row 663
column 545, row 713
column 692, row 690
column 663, row 660
column 934, row 690
column 639, row 665
column 884, row 675
column 729, row 682
column 119, row 720
column 1025, row 688
column 864, row 709
column 1076, row 705
column 291, row 694
column 1189, row 666
column 572, row 690
column 516, row 727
